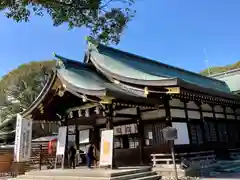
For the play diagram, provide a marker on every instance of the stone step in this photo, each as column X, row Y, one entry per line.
column 129, row 173
column 60, row 178
column 88, row 173
column 124, row 177
column 134, row 176
column 153, row 177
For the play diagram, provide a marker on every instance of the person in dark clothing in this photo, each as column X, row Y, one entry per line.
column 72, row 152
column 90, row 156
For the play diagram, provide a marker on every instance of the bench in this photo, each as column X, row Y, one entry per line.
column 201, row 159
column 163, row 159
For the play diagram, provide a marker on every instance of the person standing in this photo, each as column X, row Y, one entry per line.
column 72, row 152
column 90, row 155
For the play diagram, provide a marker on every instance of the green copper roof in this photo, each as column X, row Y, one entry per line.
column 129, row 66
column 81, row 77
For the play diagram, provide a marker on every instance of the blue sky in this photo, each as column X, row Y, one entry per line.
column 170, row 31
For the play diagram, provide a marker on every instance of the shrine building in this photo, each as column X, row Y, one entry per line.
column 138, row 97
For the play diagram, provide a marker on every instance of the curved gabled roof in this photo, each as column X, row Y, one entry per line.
column 131, row 68
column 83, row 79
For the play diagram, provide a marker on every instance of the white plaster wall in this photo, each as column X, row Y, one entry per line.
column 192, row 105
column 193, row 114
column 84, row 136
column 229, row 110
column 206, row 107
column 230, row 117
column 238, row 111
column 176, row 103
column 219, row 115
column 128, row 111
column 178, row 113
column 218, row 108
column 115, row 119
column 207, row 114
column 153, row 114
column 182, row 131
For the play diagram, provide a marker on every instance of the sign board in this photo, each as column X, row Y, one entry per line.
column 62, row 132
column 23, row 139
column 106, row 151
column 126, row 129
column 170, row 133
column 183, row 135
column 84, row 136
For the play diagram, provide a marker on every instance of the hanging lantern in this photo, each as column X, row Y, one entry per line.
column 87, row 112
column 84, row 99
column 71, row 114
column 97, row 110
column 79, row 113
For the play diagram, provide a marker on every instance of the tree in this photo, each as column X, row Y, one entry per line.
column 18, row 89
column 106, row 19
column 220, row 69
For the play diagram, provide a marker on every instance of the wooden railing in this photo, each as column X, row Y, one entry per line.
column 39, row 157
column 201, row 159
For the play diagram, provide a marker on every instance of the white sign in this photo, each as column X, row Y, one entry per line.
column 23, row 139
column 106, row 151
column 62, row 132
column 126, row 129
column 150, row 135
column 84, row 136
column 183, row 136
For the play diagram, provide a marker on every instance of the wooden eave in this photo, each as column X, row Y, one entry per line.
column 36, row 103
column 208, row 91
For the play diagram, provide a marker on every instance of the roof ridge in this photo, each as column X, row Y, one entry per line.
column 71, row 62
column 157, row 62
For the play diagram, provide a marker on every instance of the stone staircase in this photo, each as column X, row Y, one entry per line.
column 141, row 173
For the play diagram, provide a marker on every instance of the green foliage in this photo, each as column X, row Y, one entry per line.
column 106, row 19
column 18, row 89
column 24, row 83
column 220, row 69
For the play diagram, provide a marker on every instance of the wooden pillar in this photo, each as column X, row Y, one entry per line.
column 188, row 125
column 109, row 126
column 235, row 113
column 66, row 163
column 167, row 110
column 215, row 123
column 202, row 123
column 140, row 127
column 168, row 116
column 77, row 132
